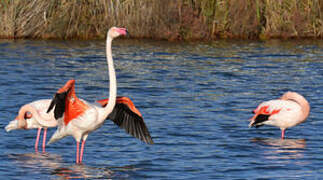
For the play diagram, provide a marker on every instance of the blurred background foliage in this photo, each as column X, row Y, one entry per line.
column 162, row 19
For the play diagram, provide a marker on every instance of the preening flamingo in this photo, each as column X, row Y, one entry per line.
column 78, row 118
column 288, row 111
column 32, row 116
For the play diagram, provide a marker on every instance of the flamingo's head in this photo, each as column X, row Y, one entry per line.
column 21, row 121
column 116, row 32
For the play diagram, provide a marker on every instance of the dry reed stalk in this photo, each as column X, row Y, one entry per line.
column 166, row 19
column 7, row 19
column 292, row 18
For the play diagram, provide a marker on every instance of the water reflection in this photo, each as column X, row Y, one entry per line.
column 98, row 172
column 54, row 165
column 36, row 160
column 282, row 148
column 82, row 171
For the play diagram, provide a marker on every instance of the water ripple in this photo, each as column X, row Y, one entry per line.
column 196, row 100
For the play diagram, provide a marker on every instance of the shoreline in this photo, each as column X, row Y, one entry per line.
column 203, row 40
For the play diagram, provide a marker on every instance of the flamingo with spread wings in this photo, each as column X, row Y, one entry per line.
column 78, row 118
column 33, row 116
column 288, row 111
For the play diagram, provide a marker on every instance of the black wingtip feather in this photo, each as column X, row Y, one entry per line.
column 52, row 104
column 259, row 120
column 131, row 122
column 59, row 103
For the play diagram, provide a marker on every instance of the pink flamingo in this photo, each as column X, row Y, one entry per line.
column 288, row 111
column 78, row 118
column 32, row 116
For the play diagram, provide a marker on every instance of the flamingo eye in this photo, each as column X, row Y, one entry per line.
column 28, row 115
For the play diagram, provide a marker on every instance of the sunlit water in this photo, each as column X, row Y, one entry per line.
column 196, row 99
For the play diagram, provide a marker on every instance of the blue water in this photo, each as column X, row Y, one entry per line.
column 196, row 99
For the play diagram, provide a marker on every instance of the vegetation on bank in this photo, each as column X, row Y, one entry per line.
column 162, row 19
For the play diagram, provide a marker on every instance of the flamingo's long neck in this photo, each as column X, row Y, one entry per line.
column 305, row 107
column 113, row 82
column 303, row 103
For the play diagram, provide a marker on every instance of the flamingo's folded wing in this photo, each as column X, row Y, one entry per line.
column 127, row 117
column 264, row 112
column 260, row 118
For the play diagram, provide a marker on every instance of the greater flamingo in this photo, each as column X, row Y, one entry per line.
column 33, row 115
column 78, row 118
column 288, row 111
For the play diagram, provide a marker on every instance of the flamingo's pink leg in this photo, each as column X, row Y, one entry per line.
column 44, row 139
column 283, row 133
column 82, row 149
column 37, row 139
column 77, row 152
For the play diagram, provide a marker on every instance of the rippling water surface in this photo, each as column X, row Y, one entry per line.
column 196, row 99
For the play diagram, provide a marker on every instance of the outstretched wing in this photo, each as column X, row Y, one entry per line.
column 128, row 117
column 58, row 102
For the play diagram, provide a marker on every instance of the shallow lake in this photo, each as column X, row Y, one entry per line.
column 196, row 99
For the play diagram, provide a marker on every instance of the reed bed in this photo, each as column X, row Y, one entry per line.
column 162, row 19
